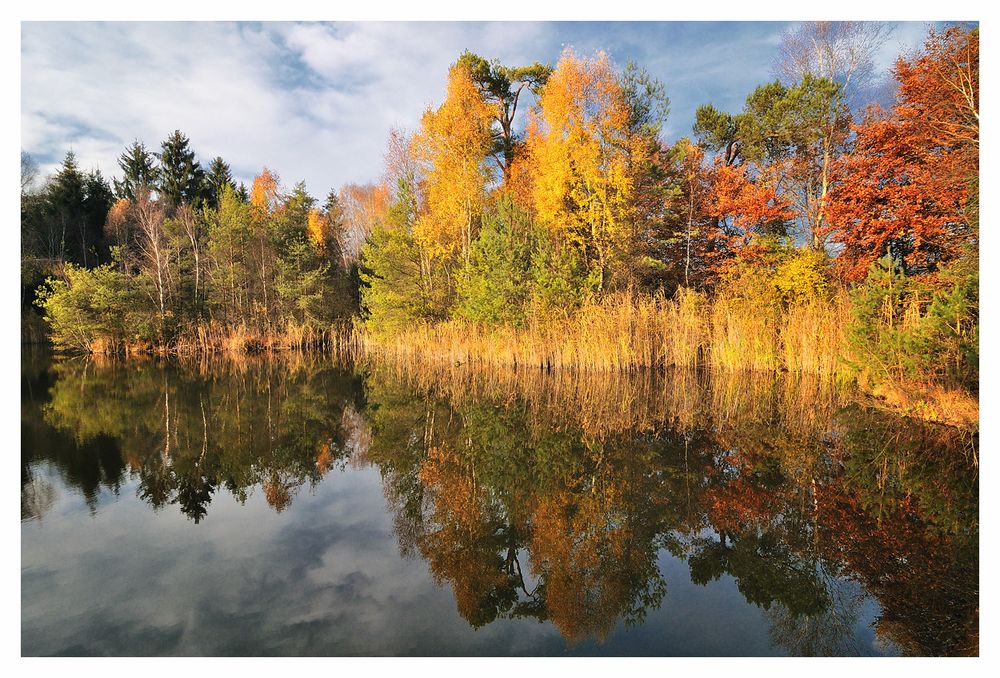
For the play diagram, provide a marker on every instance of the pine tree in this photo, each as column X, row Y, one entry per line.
column 97, row 200
column 139, row 171
column 181, row 176
column 219, row 175
column 64, row 205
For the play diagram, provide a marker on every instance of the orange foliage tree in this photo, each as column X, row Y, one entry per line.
column 452, row 146
column 265, row 194
column 319, row 230
column 909, row 187
column 744, row 209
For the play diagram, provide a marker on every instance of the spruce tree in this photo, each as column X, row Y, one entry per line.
column 64, row 205
column 219, row 176
column 97, row 200
column 181, row 176
column 139, row 171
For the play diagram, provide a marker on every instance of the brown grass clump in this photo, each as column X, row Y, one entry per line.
column 625, row 332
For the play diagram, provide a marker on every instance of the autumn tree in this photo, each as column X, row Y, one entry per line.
column 452, row 147
column 910, row 186
column 694, row 196
column 745, row 208
column 579, row 140
column 795, row 133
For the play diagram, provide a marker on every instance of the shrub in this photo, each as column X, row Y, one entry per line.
column 95, row 306
column 560, row 280
column 920, row 329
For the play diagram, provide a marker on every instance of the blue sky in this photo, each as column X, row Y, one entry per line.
column 316, row 101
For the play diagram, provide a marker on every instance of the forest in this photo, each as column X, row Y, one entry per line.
column 815, row 231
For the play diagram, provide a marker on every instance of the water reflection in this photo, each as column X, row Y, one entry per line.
column 188, row 432
column 554, row 497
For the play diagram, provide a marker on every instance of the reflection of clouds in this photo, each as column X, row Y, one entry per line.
column 323, row 577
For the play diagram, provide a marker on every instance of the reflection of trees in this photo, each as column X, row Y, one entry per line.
column 829, row 633
column 476, row 488
column 186, row 432
column 553, row 496
column 764, row 526
column 903, row 520
column 743, row 481
column 926, row 582
column 91, row 466
column 37, row 497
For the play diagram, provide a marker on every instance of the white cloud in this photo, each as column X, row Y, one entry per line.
column 311, row 101
column 316, row 101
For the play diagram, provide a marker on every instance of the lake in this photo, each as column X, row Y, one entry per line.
column 295, row 505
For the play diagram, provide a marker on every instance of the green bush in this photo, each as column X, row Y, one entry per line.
column 560, row 279
column 98, row 305
column 923, row 329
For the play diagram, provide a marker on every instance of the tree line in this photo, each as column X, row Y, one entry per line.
column 803, row 193
column 174, row 254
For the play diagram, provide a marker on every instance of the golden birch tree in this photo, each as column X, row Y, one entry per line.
column 579, row 141
column 452, row 147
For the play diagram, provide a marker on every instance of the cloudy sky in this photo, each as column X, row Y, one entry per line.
column 316, row 101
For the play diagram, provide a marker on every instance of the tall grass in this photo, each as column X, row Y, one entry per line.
column 625, row 332
column 213, row 338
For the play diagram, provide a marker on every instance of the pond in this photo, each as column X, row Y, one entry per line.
column 295, row 505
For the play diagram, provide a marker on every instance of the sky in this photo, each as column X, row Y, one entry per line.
column 315, row 101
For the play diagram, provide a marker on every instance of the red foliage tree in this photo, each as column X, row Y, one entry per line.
column 908, row 186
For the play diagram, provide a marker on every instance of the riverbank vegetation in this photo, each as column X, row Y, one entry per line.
column 810, row 232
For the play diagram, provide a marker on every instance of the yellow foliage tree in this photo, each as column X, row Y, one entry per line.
column 579, row 141
column 265, row 193
column 452, row 147
column 319, row 231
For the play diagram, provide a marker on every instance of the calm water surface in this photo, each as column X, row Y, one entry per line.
column 297, row 507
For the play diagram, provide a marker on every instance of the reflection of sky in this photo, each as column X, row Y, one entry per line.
column 315, row 101
column 323, row 577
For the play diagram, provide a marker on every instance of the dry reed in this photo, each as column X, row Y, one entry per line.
column 626, row 332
